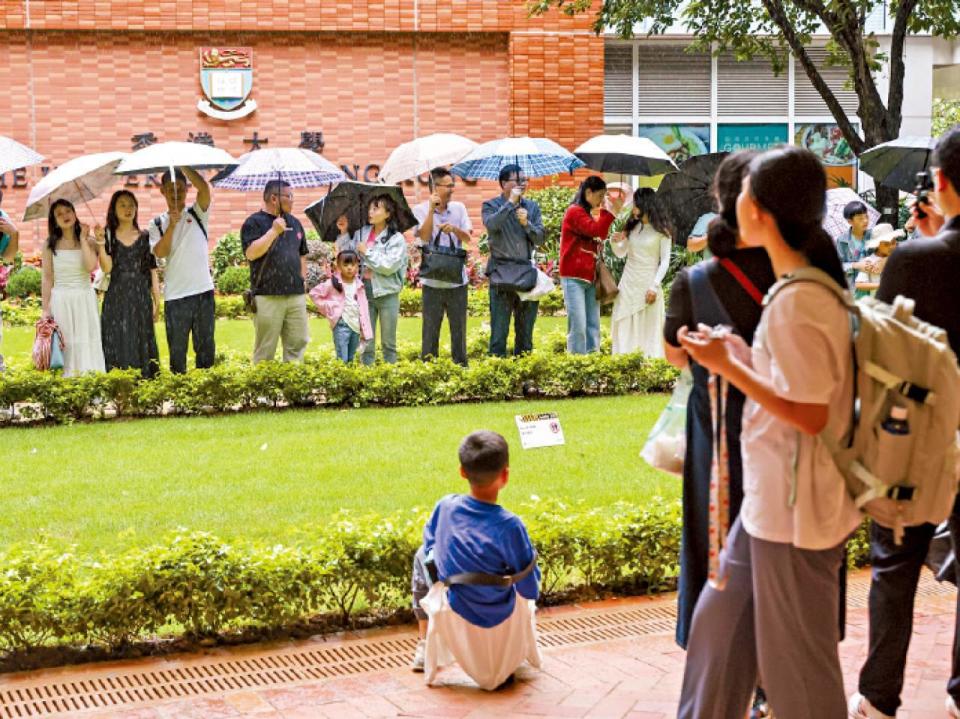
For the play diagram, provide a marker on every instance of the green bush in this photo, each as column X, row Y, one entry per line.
column 196, row 585
column 234, row 280
column 24, row 282
column 554, row 201
column 322, row 380
column 227, row 253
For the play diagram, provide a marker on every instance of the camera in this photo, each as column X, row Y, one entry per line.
column 922, row 191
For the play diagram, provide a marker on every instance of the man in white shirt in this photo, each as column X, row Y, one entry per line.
column 448, row 223
column 179, row 235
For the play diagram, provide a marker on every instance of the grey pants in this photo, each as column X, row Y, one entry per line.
column 420, row 583
column 776, row 624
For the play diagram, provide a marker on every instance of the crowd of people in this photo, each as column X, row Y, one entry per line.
column 761, row 613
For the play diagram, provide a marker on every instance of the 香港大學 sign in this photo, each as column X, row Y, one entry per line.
column 226, row 77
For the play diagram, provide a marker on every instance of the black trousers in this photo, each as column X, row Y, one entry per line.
column 190, row 315
column 451, row 302
column 895, row 574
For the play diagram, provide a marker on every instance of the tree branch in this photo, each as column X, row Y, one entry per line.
column 779, row 16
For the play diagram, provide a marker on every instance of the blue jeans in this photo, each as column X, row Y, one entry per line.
column 345, row 341
column 503, row 304
column 583, row 315
column 386, row 310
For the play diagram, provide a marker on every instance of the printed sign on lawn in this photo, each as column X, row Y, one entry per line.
column 540, row 430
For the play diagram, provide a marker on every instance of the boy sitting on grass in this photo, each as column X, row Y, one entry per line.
column 475, row 579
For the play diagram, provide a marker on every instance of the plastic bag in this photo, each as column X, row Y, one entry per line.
column 667, row 444
column 543, row 287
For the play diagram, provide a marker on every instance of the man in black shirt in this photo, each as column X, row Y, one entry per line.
column 928, row 272
column 275, row 244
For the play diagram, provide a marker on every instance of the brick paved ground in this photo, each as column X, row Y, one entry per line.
column 637, row 678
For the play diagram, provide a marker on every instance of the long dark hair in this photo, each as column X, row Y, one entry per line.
column 54, row 233
column 645, row 201
column 592, row 183
column 790, row 183
column 723, row 230
column 113, row 222
column 391, row 205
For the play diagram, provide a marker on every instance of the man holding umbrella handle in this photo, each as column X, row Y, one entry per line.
column 275, row 244
column 181, row 238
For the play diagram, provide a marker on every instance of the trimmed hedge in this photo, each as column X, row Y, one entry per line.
column 198, row 586
column 322, row 380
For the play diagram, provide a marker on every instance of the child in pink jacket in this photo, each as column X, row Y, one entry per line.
column 343, row 301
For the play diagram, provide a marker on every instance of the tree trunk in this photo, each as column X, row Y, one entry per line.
column 876, row 130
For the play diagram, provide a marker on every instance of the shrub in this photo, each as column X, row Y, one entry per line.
column 198, row 585
column 227, row 253
column 554, row 201
column 322, row 380
column 25, row 282
column 234, row 280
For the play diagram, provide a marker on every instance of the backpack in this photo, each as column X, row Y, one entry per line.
column 897, row 359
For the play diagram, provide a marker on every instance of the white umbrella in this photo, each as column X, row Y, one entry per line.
column 166, row 155
column 625, row 155
column 294, row 165
column 78, row 180
column 837, row 199
column 13, row 155
column 416, row 157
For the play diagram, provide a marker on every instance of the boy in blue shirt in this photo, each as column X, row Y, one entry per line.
column 852, row 245
column 478, row 558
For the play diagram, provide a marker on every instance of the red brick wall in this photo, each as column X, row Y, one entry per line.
column 93, row 90
column 283, row 15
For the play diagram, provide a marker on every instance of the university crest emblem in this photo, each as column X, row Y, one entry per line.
column 226, row 76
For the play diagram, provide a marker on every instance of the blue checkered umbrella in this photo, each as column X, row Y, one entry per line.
column 294, row 165
column 537, row 157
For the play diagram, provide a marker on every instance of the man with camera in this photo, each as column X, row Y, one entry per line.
column 514, row 229
column 925, row 270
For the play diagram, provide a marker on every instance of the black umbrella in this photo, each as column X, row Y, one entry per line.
column 684, row 196
column 351, row 199
column 896, row 163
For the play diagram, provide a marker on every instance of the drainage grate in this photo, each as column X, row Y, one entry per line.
column 283, row 667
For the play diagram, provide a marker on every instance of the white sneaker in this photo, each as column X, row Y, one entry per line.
column 952, row 708
column 417, row 664
column 859, row 707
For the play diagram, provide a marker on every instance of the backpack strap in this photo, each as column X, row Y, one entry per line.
column 744, row 281
column 492, row 580
column 707, row 307
column 203, row 229
column 818, row 276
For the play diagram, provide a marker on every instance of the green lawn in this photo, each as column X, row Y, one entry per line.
column 111, row 485
column 237, row 335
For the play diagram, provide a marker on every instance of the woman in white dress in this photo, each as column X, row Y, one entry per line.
column 67, row 293
column 638, row 311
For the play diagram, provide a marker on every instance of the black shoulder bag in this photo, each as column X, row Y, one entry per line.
column 444, row 264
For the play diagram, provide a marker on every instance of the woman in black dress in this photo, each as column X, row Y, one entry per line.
column 132, row 301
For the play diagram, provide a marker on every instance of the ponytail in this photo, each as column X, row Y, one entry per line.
column 337, row 284
column 816, row 245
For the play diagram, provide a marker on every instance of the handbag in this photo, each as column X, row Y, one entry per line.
column 606, row 286
column 48, row 345
column 442, row 263
column 666, row 445
column 56, row 350
column 543, row 287
column 513, row 275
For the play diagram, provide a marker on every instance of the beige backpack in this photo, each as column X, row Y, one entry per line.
column 899, row 361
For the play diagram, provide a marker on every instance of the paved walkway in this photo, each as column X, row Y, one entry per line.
column 588, row 672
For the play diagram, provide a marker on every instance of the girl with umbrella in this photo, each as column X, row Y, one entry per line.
column 383, row 252
column 67, row 294
column 132, row 301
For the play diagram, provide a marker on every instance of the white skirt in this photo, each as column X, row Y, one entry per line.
column 76, row 314
column 641, row 331
column 486, row 655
